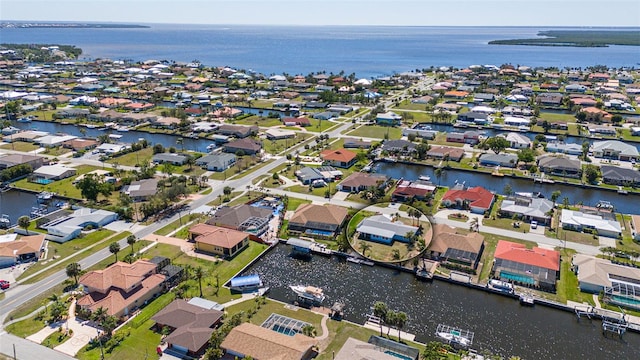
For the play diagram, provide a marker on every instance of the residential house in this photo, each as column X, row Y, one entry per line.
column 449, row 247
column 296, row 121
column 420, row 130
column 247, row 218
column 477, row 199
column 517, row 140
column 341, row 158
column 246, row 146
column 579, row 221
column 614, row 149
column 468, row 137
column 388, row 118
column 359, row 181
column 171, row 158
column 261, row 343
column 536, row 267
column 11, row 160
column 402, row 147
column 502, row 160
column 80, row 144
column 528, row 208
column 635, row 227
column 166, row 122
column 142, row 189
column 25, row 249
column 596, row 274
column 238, row 131
column 190, row 326
column 65, row 228
column 317, row 220
column 549, row 99
column 563, row 148
column 593, row 114
column 120, row 288
column 111, row 149
column 350, row 143
column 474, row 117
column 218, row 240
column 619, row 176
column 216, row 162
column 382, row 229
column 52, row 173
column 560, row 166
column 445, row 153
column 279, row 134
column 376, row 348
column 407, row 190
column 49, row 141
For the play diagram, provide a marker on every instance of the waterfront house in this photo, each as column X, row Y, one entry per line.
column 579, row 221
column 614, row 149
column 238, row 131
column 536, row 267
column 376, row 348
column 595, row 275
column 296, row 121
column 502, row 160
column 477, row 199
column 325, row 115
column 246, row 146
column 563, row 148
column 49, row 141
column 142, row 189
column 635, row 227
column 468, row 137
column 560, row 166
column 51, row 173
column 317, row 220
column 261, row 343
column 388, row 118
column 517, row 140
column 66, row 228
column 449, row 247
column 401, row 147
column 359, row 181
column 121, row 288
column 350, row 143
column 25, row 249
column 407, row 190
column 549, row 99
column 341, row 158
column 218, row 240
column 619, row 176
column 527, row 208
column 382, row 229
column 516, row 121
column 80, row 144
column 279, row 134
column 216, row 162
column 445, row 153
column 12, row 160
column 420, row 130
column 247, row 218
column 167, row 122
column 475, row 117
column 171, row 158
column 319, row 176
column 190, row 326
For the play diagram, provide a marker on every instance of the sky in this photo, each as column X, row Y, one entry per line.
column 332, row 12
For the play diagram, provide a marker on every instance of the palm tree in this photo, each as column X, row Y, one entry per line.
column 364, row 247
column 309, row 330
column 401, row 320
column 390, row 320
column 74, row 270
column 395, row 253
column 131, row 240
column 180, row 142
column 114, row 247
column 198, row 273
column 380, row 310
column 99, row 315
column 438, row 173
column 23, row 222
column 474, row 225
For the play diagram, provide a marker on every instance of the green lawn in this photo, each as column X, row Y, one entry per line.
column 257, row 120
column 56, row 151
column 567, row 287
column 627, row 242
column 378, row 132
column 134, row 158
column 141, row 343
column 63, row 187
column 490, row 243
column 555, row 117
column 304, row 189
column 167, row 229
column 27, row 308
column 20, row 146
column 55, row 339
column 294, row 203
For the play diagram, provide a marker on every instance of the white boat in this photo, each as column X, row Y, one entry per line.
column 460, row 340
column 24, row 120
column 44, row 196
column 309, row 293
column 5, row 222
column 211, row 147
column 500, row 286
column 425, row 178
column 445, row 335
column 115, row 136
column 526, row 299
column 354, row 260
column 122, row 129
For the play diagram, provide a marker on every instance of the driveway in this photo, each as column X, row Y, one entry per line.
column 82, row 333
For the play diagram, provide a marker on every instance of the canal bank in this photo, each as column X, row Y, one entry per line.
column 589, row 196
column 501, row 325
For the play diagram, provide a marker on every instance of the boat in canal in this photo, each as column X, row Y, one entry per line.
column 44, row 196
column 526, row 299
column 308, row 293
column 425, row 178
column 500, row 285
column 5, row 222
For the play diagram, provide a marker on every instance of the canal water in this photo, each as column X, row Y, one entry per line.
column 500, row 324
column 127, row 137
column 590, row 197
column 16, row 203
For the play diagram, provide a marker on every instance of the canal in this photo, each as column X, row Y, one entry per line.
column 16, row 203
column 132, row 136
column 590, row 197
column 500, row 324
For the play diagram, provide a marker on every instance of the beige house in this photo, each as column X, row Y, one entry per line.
column 263, row 344
column 218, row 240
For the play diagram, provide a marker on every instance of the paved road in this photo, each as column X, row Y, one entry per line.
column 27, row 350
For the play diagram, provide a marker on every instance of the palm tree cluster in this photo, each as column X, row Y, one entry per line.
column 390, row 318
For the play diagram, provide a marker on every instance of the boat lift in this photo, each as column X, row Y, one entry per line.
column 455, row 336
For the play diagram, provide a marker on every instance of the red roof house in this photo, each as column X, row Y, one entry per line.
column 477, row 199
column 537, row 266
column 339, row 158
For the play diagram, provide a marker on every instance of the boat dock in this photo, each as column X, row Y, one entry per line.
column 427, row 270
column 455, row 336
column 374, row 323
column 612, row 322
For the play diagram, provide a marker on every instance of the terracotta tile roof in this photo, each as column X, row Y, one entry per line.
column 359, row 179
column 326, row 214
column 217, row 236
column 264, row 344
column 24, row 245
column 456, row 93
column 477, row 197
column 341, row 155
column 116, row 300
column 543, row 258
column 119, row 275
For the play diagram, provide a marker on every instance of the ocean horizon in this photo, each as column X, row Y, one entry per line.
column 366, row 50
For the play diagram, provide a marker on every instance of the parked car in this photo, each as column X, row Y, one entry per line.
column 534, row 224
column 4, row 284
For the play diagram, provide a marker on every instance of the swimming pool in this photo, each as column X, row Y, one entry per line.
column 517, row 277
column 399, row 356
column 284, row 330
column 625, row 301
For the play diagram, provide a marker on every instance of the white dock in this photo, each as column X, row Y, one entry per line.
column 393, row 332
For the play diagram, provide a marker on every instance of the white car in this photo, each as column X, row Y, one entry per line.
column 534, row 224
